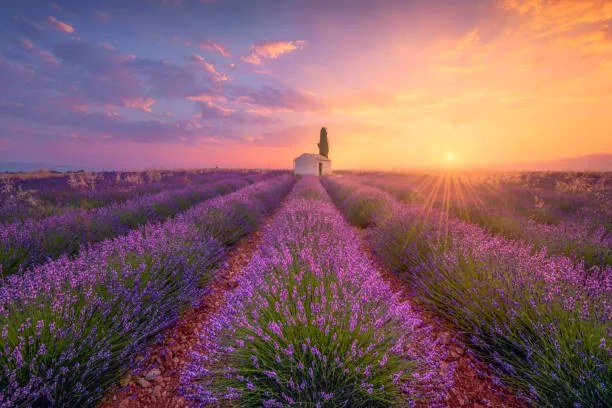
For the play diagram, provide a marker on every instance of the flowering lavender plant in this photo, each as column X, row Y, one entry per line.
column 313, row 323
column 29, row 242
column 576, row 225
column 41, row 195
column 542, row 321
column 70, row 327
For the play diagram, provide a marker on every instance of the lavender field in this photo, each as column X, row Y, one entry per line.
column 251, row 288
column 309, row 204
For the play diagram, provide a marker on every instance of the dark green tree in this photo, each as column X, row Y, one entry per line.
column 323, row 143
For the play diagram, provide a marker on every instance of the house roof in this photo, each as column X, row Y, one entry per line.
column 316, row 156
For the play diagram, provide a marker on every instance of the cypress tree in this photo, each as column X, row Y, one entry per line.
column 323, row 143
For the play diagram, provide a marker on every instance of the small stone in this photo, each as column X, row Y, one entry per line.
column 153, row 374
column 125, row 381
column 142, row 382
column 157, row 391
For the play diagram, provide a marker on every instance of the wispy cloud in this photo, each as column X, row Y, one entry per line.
column 60, row 25
column 209, row 67
column 563, row 15
column 285, row 99
column 272, row 50
column 143, row 104
column 210, row 45
column 101, row 17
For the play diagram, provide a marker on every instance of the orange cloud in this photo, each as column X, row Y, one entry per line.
column 60, row 25
column 562, row 15
column 272, row 50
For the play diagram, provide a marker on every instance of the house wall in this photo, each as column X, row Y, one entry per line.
column 326, row 167
column 309, row 165
column 306, row 165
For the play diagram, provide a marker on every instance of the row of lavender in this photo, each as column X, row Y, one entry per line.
column 312, row 323
column 30, row 242
column 69, row 328
column 38, row 196
column 542, row 321
column 583, row 235
column 544, row 197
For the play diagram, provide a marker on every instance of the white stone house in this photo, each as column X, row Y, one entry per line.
column 311, row 164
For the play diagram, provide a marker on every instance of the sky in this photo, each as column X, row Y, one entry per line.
column 398, row 84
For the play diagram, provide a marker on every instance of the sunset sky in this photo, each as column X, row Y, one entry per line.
column 150, row 83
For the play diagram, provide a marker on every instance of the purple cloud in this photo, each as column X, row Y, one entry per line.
column 287, row 99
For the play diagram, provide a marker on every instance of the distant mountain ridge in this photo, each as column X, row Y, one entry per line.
column 19, row 166
column 592, row 162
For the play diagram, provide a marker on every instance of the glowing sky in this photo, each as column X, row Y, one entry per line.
column 153, row 83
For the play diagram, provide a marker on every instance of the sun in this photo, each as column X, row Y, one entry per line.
column 450, row 157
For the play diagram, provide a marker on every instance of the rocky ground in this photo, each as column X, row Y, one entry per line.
column 156, row 383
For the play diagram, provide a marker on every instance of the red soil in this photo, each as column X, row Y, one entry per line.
column 157, row 385
column 473, row 385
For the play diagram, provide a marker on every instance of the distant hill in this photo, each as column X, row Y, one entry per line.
column 593, row 162
column 18, row 167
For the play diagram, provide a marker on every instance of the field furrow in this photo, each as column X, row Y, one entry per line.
column 30, row 242
column 155, row 380
column 70, row 327
column 314, row 322
column 42, row 195
column 542, row 322
column 569, row 224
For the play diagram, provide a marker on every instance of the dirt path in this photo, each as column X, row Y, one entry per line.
column 157, row 384
column 473, row 381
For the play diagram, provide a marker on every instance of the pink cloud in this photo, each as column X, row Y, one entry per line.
column 203, row 97
column 101, row 17
column 143, row 104
column 42, row 54
column 60, row 25
column 210, row 45
column 197, row 58
column 27, row 44
column 208, row 67
column 271, row 50
column 252, row 59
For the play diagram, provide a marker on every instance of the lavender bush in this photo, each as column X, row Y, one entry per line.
column 70, row 327
column 313, row 323
column 571, row 223
column 30, row 242
column 34, row 195
column 542, row 321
